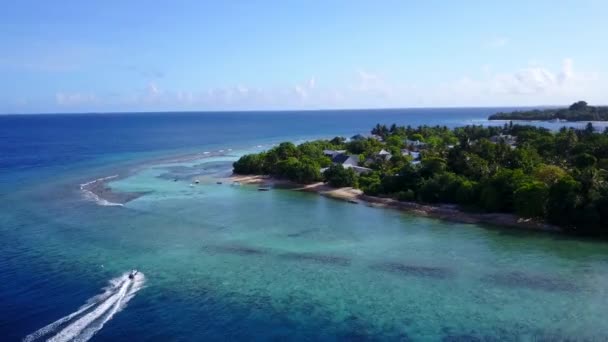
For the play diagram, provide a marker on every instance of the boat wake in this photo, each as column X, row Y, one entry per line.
column 82, row 324
column 86, row 190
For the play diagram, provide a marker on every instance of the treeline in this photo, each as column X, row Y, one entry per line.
column 579, row 111
column 300, row 163
column 556, row 176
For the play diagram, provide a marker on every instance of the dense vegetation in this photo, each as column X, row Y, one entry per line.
column 557, row 176
column 579, row 111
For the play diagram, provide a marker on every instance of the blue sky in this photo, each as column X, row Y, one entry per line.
column 97, row 56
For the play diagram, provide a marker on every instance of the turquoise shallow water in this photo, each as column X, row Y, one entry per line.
column 235, row 262
column 225, row 262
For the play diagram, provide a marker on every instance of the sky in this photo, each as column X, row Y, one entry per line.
column 109, row 56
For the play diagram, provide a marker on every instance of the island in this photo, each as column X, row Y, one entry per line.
column 525, row 175
column 578, row 111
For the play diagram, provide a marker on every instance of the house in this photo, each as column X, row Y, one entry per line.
column 415, row 144
column 384, row 155
column 506, row 138
column 360, row 169
column 348, row 162
column 345, row 159
column 414, row 154
column 333, row 153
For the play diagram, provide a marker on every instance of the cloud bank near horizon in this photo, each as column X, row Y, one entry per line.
column 528, row 86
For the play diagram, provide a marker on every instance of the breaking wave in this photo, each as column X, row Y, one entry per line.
column 82, row 324
column 88, row 194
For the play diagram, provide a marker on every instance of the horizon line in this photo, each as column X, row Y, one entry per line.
column 278, row 110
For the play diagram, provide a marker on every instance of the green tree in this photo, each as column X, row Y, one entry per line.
column 580, row 105
column 371, row 183
column 288, row 168
column 584, row 160
column 564, row 198
column 549, row 174
column 432, row 165
column 497, row 191
column 417, row 137
column 339, row 177
column 286, row 150
column 530, row 199
column 395, row 142
column 308, row 171
column 338, row 141
column 249, row 164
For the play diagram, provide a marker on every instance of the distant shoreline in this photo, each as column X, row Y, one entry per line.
column 443, row 212
column 578, row 112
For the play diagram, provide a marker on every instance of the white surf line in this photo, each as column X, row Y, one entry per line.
column 92, row 196
column 97, row 180
column 53, row 326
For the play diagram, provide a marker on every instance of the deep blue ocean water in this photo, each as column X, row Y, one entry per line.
column 228, row 263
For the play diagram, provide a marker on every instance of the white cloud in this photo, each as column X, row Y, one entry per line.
column 567, row 70
column 311, row 83
column 538, row 79
column 153, row 89
column 530, row 85
column 75, row 99
column 498, row 42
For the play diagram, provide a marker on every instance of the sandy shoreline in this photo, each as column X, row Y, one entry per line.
column 443, row 212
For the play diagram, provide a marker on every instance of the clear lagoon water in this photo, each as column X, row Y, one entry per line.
column 223, row 262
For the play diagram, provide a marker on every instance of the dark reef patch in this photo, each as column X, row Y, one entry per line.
column 318, row 258
column 413, row 270
column 302, row 233
column 234, row 249
column 471, row 338
column 530, row 281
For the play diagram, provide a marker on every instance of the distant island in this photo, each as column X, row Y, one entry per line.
column 524, row 173
column 578, row 111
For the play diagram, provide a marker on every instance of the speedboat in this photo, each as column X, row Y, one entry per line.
column 132, row 274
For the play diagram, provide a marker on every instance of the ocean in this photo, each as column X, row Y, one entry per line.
column 224, row 262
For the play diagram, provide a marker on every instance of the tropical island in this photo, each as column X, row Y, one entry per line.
column 528, row 172
column 578, row 111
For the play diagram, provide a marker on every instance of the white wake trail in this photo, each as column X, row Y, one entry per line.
column 103, row 306
column 90, row 303
column 90, row 330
